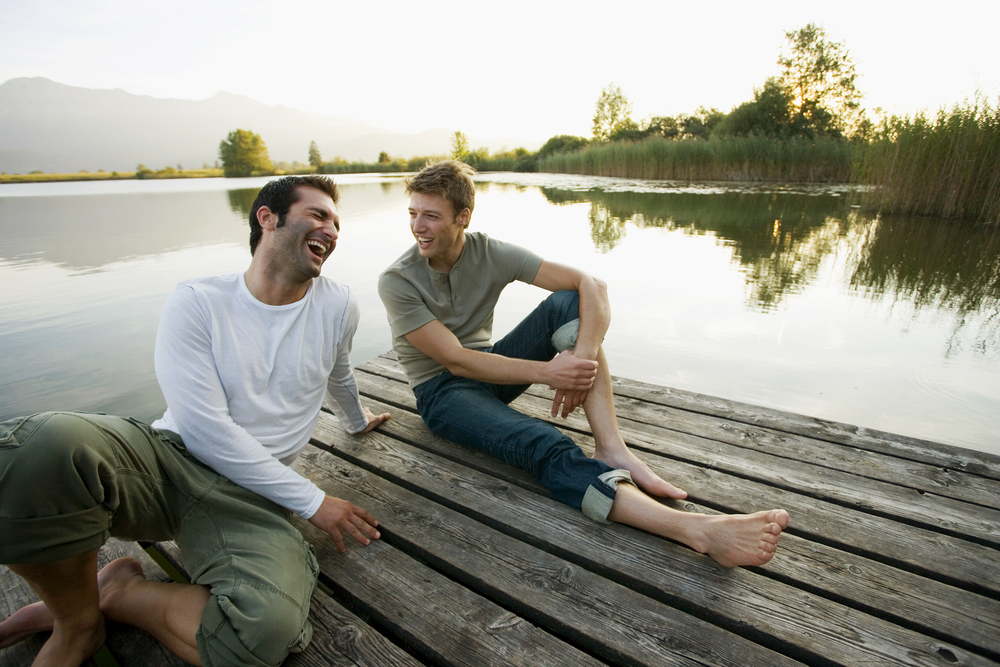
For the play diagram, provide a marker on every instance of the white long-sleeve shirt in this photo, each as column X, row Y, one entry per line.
column 244, row 381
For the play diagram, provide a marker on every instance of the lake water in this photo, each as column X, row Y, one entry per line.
column 783, row 296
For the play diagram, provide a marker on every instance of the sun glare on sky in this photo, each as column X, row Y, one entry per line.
column 520, row 70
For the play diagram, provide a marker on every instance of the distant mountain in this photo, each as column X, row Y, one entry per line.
column 58, row 128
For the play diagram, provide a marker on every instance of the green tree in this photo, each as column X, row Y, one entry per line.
column 383, row 158
column 701, row 123
column 315, row 159
column 459, row 146
column 561, row 143
column 662, row 126
column 769, row 114
column 821, row 78
column 243, row 153
column 612, row 112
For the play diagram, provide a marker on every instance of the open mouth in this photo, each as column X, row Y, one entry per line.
column 316, row 247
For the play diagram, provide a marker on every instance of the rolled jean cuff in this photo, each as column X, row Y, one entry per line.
column 565, row 336
column 600, row 495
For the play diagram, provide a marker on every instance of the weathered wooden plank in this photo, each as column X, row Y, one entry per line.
column 915, row 449
column 921, row 550
column 439, row 620
column 341, row 639
column 605, row 618
column 922, row 477
column 802, row 624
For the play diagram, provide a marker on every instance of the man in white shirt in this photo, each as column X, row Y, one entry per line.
column 244, row 362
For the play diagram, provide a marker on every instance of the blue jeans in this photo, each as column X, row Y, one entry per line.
column 476, row 414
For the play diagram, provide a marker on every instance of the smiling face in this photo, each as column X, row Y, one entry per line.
column 440, row 234
column 307, row 235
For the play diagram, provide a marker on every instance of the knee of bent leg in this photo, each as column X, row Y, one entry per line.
column 565, row 300
column 261, row 630
column 62, row 450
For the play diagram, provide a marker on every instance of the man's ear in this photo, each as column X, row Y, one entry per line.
column 464, row 218
column 266, row 218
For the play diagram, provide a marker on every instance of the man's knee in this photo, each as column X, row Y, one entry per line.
column 262, row 628
column 56, row 501
column 565, row 301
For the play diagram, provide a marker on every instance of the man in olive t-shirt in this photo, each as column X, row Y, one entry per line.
column 440, row 296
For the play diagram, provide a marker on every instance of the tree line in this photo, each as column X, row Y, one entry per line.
column 805, row 123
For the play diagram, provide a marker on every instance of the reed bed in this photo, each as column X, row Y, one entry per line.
column 947, row 166
column 750, row 158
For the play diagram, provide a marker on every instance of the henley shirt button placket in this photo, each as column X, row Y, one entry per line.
column 456, row 301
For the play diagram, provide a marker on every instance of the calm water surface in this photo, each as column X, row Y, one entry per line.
column 779, row 296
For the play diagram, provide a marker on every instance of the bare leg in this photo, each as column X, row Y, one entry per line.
column 730, row 539
column 169, row 612
column 609, row 446
column 69, row 607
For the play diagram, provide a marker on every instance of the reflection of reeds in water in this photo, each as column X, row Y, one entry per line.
column 780, row 241
column 948, row 166
column 930, row 263
column 819, row 160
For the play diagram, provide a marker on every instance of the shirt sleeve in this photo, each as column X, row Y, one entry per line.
column 512, row 262
column 196, row 398
column 404, row 304
column 342, row 386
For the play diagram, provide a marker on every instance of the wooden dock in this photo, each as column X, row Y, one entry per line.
column 892, row 556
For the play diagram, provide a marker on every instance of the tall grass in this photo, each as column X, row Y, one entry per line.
column 749, row 158
column 948, row 166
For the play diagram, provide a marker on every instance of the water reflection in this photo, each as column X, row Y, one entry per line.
column 781, row 240
column 88, row 233
column 776, row 295
column 935, row 264
column 241, row 201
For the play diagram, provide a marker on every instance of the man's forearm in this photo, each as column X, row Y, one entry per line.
column 495, row 368
column 595, row 317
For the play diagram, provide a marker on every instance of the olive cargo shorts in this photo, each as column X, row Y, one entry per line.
column 70, row 480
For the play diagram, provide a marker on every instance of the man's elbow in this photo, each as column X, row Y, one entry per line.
column 595, row 286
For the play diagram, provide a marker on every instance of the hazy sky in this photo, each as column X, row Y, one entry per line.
column 520, row 70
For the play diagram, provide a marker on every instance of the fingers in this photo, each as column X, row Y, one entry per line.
column 362, row 530
column 566, row 402
column 336, row 516
column 374, row 420
column 557, row 401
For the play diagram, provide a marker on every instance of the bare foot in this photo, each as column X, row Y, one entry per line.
column 734, row 540
column 36, row 617
column 73, row 641
column 25, row 622
column 116, row 576
column 644, row 478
